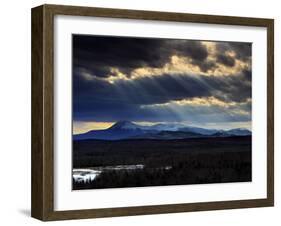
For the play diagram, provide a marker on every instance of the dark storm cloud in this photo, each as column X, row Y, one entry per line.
column 98, row 93
column 96, row 99
column 194, row 49
column 243, row 51
column 226, row 60
column 229, row 88
column 204, row 65
column 101, row 101
column 97, row 54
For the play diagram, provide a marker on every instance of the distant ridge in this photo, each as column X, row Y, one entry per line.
column 129, row 130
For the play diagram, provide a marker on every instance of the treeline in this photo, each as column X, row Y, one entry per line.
column 152, row 153
column 192, row 162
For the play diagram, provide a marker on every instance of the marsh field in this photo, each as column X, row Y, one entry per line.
column 147, row 162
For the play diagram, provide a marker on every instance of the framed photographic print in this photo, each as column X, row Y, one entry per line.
column 141, row 112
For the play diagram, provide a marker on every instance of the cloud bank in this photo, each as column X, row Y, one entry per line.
column 153, row 80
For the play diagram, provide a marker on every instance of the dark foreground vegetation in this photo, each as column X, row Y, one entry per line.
column 166, row 162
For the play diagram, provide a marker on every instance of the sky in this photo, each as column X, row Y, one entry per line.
column 152, row 80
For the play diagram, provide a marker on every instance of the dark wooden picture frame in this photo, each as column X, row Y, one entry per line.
column 42, row 204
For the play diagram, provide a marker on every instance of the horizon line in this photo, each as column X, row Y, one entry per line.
column 80, row 127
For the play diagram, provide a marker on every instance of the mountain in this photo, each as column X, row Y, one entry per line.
column 239, row 132
column 125, row 125
column 200, row 130
column 120, row 130
column 129, row 130
column 167, row 127
column 168, row 135
column 156, row 127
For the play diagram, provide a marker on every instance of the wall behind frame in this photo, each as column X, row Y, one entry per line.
column 15, row 112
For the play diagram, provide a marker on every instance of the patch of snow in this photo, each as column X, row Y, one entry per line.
column 85, row 175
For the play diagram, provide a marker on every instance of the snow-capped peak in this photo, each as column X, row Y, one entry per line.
column 124, row 125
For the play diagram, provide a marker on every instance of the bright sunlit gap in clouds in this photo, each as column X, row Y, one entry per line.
column 82, row 127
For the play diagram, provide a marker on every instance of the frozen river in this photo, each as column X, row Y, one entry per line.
column 90, row 174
